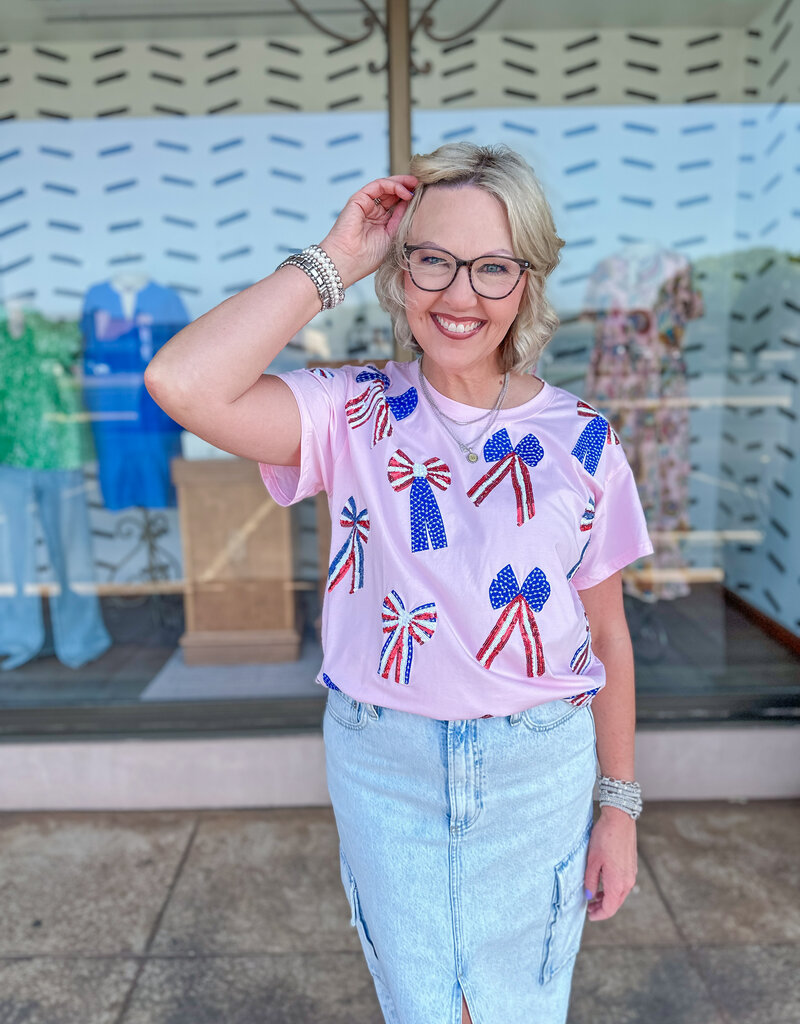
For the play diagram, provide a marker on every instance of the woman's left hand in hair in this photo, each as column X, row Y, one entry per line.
column 611, row 863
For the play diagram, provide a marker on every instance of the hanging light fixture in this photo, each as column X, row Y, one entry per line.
column 372, row 21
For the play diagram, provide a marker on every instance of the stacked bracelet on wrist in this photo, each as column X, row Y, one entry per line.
column 315, row 262
column 625, row 796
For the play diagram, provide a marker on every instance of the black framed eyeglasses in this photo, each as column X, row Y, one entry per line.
column 492, row 277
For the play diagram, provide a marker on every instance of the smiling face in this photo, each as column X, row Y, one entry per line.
column 458, row 330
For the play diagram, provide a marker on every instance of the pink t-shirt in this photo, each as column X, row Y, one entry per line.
column 453, row 586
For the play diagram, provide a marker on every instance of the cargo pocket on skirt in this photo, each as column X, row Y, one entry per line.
column 358, row 922
column 356, row 917
column 563, row 934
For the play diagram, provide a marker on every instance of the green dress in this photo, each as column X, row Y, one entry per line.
column 43, row 422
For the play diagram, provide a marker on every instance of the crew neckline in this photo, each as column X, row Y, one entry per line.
column 450, row 405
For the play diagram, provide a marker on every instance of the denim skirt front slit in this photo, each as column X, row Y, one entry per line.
column 462, row 853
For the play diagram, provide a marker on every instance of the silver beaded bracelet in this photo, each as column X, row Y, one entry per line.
column 625, row 796
column 332, row 274
column 314, row 271
column 318, row 265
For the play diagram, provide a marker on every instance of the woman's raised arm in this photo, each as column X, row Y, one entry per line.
column 210, row 377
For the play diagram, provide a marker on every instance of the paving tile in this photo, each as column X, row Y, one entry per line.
column 642, row 919
column 63, row 991
column 260, row 882
column 85, row 883
column 639, row 986
column 729, row 873
column 753, row 984
column 327, row 988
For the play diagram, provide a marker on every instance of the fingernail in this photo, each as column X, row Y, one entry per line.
column 588, row 893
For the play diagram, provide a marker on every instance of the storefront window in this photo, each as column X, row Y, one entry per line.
column 669, row 153
column 151, row 168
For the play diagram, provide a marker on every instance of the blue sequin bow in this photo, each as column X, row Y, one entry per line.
column 426, row 519
column 597, row 433
column 514, row 461
column 518, row 604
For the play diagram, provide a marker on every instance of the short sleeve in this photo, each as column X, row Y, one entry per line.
column 318, row 396
column 619, row 531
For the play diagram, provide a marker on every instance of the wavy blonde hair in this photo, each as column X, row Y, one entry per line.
column 504, row 174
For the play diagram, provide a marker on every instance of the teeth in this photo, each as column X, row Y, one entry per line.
column 454, row 328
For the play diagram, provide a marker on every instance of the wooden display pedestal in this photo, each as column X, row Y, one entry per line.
column 238, row 565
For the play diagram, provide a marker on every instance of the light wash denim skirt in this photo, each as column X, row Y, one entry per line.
column 463, row 850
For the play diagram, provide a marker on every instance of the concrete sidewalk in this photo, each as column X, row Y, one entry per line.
column 240, row 918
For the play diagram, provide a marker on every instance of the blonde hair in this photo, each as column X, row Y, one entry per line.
column 504, row 174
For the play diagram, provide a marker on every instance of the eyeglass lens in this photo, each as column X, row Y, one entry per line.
column 434, row 270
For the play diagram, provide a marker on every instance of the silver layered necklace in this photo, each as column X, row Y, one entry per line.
column 491, row 414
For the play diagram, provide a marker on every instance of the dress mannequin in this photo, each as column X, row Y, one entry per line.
column 44, row 444
column 641, row 299
column 128, row 285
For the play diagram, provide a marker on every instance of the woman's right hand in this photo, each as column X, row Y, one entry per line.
column 359, row 240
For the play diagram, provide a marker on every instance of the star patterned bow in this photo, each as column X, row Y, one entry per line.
column 426, row 519
column 597, row 433
column 350, row 556
column 404, row 629
column 372, row 402
column 518, row 604
column 513, row 461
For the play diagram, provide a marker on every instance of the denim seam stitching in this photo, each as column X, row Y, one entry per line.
column 570, row 713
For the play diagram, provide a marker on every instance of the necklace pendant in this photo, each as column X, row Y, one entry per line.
column 472, row 457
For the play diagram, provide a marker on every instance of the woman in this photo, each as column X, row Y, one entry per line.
column 481, row 518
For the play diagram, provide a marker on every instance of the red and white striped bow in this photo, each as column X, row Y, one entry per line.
column 404, row 628
column 513, row 461
column 403, row 471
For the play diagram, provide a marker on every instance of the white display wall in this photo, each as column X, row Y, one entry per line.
column 204, row 162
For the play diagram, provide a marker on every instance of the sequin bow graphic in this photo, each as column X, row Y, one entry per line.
column 404, row 629
column 350, row 556
column 582, row 658
column 510, row 461
column 426, row 519
column 372, row 402
column 579, row 663
column 597, row 433
column 587, row 519
column 518, row 604
column 583, row 698
column 586, row 524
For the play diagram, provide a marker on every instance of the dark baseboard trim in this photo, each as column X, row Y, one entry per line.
column 285, row 716
column 698, row 709
column 167, row 720
column 769, row 626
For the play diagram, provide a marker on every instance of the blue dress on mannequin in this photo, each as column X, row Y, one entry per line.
column 134, row 438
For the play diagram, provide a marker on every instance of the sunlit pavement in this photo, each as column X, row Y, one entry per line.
column 240, row 918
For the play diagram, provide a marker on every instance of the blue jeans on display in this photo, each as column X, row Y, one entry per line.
column 79, row 634
column 462, row 853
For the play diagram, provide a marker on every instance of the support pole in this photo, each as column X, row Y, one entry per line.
column 399, row 75
column 399, row 57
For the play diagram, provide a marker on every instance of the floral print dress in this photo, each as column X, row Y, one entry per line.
column 641, row 299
